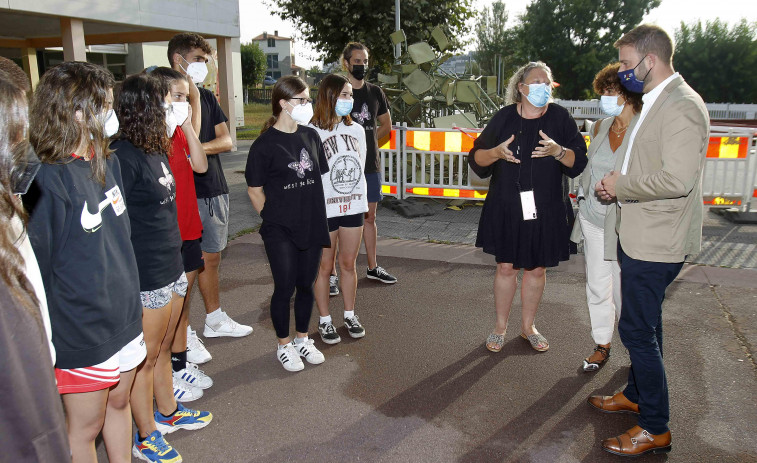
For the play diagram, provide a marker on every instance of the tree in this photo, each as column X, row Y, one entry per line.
column 494, row 41
column 575, row 37
column 719, row 63
column 253, row 63
column 329, row 26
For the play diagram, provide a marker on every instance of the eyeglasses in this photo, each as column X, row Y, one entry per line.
column 303, row 101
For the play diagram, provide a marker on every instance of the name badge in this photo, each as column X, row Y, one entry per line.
column 528, row 205
column 116, row 200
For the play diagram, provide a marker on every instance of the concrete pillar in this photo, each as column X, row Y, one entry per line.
column 72, row 33
column 29, row 58
column 226, row 85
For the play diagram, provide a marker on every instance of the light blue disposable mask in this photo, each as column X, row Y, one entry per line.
column 610, row 106
column 343, row 107
column 538, row 94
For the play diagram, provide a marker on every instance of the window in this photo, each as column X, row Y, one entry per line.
column 277, row 75
column 272, row 61
column 271, row 42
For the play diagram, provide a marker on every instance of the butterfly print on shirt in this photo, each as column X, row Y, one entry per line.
column 363, row 115
column 304, row 164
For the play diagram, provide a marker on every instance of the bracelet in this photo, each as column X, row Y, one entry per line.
column 562, row 153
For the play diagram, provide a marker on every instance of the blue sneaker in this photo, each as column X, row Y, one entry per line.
column 183, row 418
column 154, row 448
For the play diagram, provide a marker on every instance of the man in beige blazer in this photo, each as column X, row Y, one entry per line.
column 657, row 185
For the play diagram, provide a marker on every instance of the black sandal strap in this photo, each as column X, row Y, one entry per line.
column 605, row 351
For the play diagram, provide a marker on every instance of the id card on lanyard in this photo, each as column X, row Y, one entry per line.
column 528, row 204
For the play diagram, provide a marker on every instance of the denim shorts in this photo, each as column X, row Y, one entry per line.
column 373, row 184
column 159, row 298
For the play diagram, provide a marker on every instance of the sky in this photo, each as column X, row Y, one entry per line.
column 255, row 18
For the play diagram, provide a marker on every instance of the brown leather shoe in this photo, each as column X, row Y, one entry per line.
column 637, row 441
column 614, row 404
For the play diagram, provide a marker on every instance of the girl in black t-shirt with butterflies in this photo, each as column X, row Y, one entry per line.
column 283, row 174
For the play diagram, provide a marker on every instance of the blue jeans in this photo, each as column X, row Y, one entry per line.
column 643, row 286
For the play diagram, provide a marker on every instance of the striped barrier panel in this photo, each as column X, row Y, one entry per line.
column 390, row 151
column 728, row 179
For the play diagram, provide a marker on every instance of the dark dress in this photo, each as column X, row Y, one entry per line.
column 502, row 232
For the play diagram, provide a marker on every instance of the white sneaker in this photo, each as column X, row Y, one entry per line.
column 193, row 376
column 184, row 392
column 226, row 327
column 309, row 352
column 196, row 351
column 289, row 358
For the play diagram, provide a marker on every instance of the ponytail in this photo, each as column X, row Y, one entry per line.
column 271, row 120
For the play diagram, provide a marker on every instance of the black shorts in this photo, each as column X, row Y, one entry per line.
column 345, row 221
column 191, row 255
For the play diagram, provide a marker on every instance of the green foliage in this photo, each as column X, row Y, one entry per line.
column 718, row 62
column 329, row 26
column 493, row 39
column 253, row 64
column 575, row 37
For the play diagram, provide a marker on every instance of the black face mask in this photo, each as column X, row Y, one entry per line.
column 358, row 71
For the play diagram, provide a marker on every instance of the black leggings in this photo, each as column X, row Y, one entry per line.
column 292, row 268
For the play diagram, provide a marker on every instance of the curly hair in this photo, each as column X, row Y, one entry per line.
column 607, row 79
column 186, row 42
column 55, row 132
column 513, row 95
column 329, row 90
column 142, row 114
column 13, row 123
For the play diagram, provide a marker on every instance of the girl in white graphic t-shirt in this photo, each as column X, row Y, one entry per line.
column 345, row 193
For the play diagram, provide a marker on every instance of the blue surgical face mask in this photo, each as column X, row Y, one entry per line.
column 610, row 106
column 538, row 94
column 629, row 80
column 343, row 107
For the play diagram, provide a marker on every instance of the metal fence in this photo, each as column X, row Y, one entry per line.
column 433, row 163
column 263, row 95
column 590, row 110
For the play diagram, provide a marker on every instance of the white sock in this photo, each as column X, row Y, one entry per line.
column 283, row 346
column 349, row 314
column 326, row 319
column 300, row 340
column 214, row 316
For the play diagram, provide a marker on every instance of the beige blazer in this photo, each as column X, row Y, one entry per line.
column 660, row 219
column 611, row 237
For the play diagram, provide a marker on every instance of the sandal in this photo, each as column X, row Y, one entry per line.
column 537, row 340
column 594, row 366
column 495, row 342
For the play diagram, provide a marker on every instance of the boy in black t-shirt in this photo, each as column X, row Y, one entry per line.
column 370, row 107
column 188, row 54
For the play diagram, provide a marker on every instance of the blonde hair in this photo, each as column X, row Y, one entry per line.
column 513, row 95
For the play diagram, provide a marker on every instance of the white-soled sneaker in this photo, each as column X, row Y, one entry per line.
column 193, row 376
column 354, row 327
column 379, row 274
column 196, row 351
column 226, row 327
column 333, row 285
column 309, row 352
column 183, row 392
column 289, row 358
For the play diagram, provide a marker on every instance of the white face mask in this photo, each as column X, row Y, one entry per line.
column 197, row 71
column 170, row 119
column 110, row 126
column 301, row 113
column 610, row 106
column 180, row 111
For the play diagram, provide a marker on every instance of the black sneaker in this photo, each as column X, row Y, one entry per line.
column 328, row 333
column 381, row 275
column 333, row 285
column 354, row 327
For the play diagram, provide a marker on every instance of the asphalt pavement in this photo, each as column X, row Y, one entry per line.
column 421, row 387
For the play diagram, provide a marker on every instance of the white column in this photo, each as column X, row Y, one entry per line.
column 226, row 85
column 72, row 33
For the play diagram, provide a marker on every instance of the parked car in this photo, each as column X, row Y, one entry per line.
column 269, row 80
